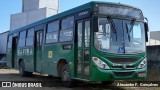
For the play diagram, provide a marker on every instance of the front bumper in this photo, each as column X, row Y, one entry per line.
column 107, row 75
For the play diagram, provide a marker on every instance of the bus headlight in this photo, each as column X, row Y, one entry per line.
column 142, row 64
column 100, row 63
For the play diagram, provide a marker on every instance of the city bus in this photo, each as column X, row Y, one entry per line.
column 96, row 42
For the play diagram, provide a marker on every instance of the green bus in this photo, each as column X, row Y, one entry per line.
column 97, row 41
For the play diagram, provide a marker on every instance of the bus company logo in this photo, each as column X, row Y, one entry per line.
column 6, row 84
column 24, row 52
column 124, row 66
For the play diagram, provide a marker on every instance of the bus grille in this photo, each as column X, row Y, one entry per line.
column 121, row 67
column 121, row 74
column 123, row 60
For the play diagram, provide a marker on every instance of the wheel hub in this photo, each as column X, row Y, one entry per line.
column 65, row 75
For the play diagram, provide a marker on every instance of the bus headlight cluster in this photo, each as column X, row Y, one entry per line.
column 100, row 63
column 142, row 64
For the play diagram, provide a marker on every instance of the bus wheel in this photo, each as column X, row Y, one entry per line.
column 65, row 76
column 29, row 74
column 107, row 82
column 22, row 72
column 2, row 66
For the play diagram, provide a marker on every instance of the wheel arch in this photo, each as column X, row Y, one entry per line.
column 19, row 61
column 60, row 65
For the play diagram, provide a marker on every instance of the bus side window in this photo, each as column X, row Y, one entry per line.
column 22, row 39
column 30, row 37
column 66, row 32
column 87, row 33
column 52, row 32
column 9, row 42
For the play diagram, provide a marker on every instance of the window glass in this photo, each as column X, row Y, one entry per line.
column 10, row 38
column 23, row 35
column 52, row 37
column 134, row 36
column 103, row 36
column 40, row 37
column 37, row 39
column 79, row 34
column 52, row 32
column 21, row 43
column 68, row 22
column 29, row 41
column 66, row 35
column 54, row 26
column 30, row 32
column 121, row 11
column 9, row 45
column 137, row 33
column 30, row 37
column 87, row 33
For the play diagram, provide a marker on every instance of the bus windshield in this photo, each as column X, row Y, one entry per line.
column 123, row 41
column 120, row 11
column 134, row 38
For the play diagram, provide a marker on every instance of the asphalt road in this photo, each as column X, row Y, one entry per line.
column 12, row 75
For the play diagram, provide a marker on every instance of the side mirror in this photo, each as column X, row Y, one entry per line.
column 146, row 27
column 95, row 24
column 146, row 31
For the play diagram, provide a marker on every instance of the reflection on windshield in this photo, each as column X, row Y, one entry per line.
column 137, row 38
column 105, row 38
column 121, row 11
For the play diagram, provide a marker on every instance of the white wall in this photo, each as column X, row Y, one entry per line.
column 153, row 42
column 25, row 18
column 18, row 20
column 29, row 5
column 33, row 11
column 155, row 35
column 3, row 42
column 50, row 12
column 36, row 15
column 52, row 4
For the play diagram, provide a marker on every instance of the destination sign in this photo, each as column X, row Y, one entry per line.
column 83, row 14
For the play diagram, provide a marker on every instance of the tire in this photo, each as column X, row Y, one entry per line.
column 29, row 74
column 2, row 66
column 65, row 77
column 22, row 71
column 107, row 82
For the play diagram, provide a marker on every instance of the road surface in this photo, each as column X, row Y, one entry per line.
column 12, row 75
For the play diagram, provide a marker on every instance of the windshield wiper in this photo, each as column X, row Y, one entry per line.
column 112, row 25
column 130, row 29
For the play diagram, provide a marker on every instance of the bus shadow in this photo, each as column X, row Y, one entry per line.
column 49, row 81
column 78, row 85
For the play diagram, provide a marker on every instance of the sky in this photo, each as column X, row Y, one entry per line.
column 149, row 8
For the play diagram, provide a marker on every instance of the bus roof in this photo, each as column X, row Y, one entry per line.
column 66, row 13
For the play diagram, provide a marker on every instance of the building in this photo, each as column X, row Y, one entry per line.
column 32, row 11
column 3, row 44
column 154, row 38
column 153, row 47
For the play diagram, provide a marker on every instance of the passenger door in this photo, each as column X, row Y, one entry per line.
column 14, row 52
column 83, row 49
column 38, row 50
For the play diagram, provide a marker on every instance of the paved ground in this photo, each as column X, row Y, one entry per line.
column 12, row 75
